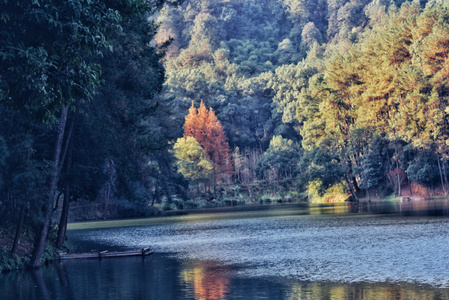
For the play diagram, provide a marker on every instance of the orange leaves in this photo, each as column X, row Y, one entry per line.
column 203, row 125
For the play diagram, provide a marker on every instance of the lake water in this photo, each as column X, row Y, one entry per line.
column 369, row 251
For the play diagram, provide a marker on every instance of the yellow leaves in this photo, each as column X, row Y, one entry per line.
column 191, row 159
column 424, row 25
column 333, row 194
column 394, row 79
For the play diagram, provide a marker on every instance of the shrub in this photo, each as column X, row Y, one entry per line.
column 8, row 262
column 190, row 204
column 333, row 194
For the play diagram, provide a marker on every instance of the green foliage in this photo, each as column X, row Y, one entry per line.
column 45, row 52
column 372, row 169
column 10, row 263
column 323, row 166
column 361, row 85
column 282, row 155
column 334, row 193
column 423, row 168
column 289, row 84
column 94, row 57
column 191, row 159
column 50, row 254
column 190, row 204
column 251, row 57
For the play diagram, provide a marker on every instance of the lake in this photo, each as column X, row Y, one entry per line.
column 334, row 251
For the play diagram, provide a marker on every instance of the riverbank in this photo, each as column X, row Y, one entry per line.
column 10, row 262
column 21, row 257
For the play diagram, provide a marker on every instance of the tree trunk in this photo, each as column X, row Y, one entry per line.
column 215, row 187
column 351, row 188
column 441, row 176
column 198, row 193
column 433, row 188
column 162, row 178
column 445, row 172
column 18, row 232
column 154, row 197
column 166, row 190
column 65, row 206
column 399, row 179
column 355, row 184
column 64, row 215
column 42, row 233
column 350, row 180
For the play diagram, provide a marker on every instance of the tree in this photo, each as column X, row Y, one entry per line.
column 282, row 156
column 321, row 165
column 48, row 52
column 192, row 161
column 45, row 50
column 373, row 167
column 423, row 168
column 204, row 126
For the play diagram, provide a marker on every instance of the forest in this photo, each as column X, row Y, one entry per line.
column 129, row 108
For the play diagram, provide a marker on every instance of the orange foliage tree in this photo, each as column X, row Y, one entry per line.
column 203, row 125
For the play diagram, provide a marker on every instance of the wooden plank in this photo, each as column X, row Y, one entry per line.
column 106, row 253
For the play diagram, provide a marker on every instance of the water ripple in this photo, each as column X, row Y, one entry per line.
column 310, row 248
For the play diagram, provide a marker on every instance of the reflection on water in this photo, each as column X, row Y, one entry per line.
column 362, row 291
column 407, row 208
column 207, row 280
column 363, row 251
column 162, row 277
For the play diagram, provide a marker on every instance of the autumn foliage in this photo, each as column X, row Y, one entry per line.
column 203, row 125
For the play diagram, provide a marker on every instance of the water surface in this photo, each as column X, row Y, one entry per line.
column 399, row 251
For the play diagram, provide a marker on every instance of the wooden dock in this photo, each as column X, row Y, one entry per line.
column 106, row 253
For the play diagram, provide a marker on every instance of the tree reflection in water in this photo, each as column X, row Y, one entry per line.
column 313, row 290
column 277, row 254
column 207, row 280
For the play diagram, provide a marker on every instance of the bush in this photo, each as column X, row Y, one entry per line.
column 169, row 206
column 190, row 204
column 265, row 199
column 49, row 255
column 151, row 211
column 333, row 194
column 8, row 262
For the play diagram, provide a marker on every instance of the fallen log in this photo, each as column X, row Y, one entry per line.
column 106, row 253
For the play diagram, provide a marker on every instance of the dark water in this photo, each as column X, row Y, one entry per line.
column 396, row 251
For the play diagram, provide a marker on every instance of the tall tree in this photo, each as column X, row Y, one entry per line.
column 203, row 125
column 48, row 52
column 44, row 68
